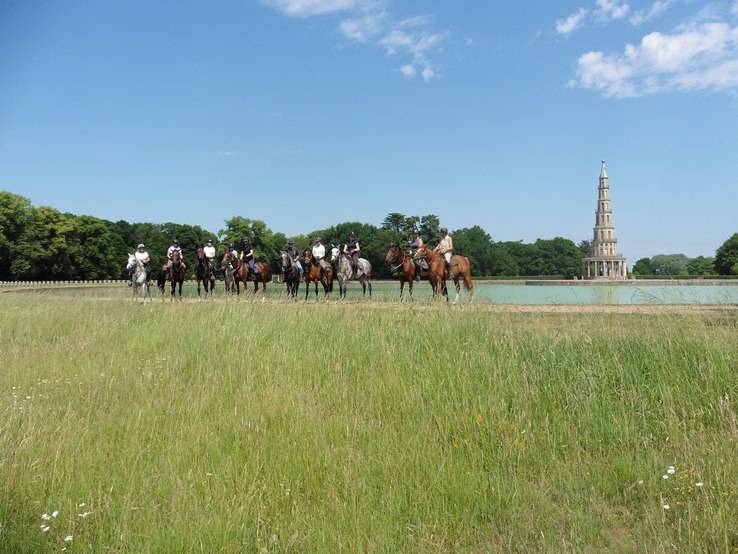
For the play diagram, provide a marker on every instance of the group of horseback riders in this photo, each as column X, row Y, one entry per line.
column 245, row 253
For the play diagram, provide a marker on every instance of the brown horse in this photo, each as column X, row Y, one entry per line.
column 204, row 273
column 175, row 274
column 314, row 274
column 459, row 268
column 243, row 274
column 402, row 264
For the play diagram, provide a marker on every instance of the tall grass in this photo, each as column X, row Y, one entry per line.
column 363, row 427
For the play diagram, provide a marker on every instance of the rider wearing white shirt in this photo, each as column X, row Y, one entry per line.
column 209, row 251
column 319, row 254
column 445, row 247
column 170, row 252
column 141, row 255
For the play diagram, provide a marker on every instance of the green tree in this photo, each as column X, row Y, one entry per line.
column 15, row 214
column 701, row 265
column 265, row 243
column 643, row 267
column 726, row 257
column 670, row 264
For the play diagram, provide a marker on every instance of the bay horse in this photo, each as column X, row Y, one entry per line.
column 290, row 274
column 139, row 277
column 344, row 271
column 242, row 273
column 314, row 274
column 175, row 274
column 459, row 268
column 204, row 273
column 401, row 263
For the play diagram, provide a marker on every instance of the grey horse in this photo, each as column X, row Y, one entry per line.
column 345, row 273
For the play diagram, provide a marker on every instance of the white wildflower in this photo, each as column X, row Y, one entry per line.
column 84, row 514
column 45, row 516
column 68, row 538
column 664, row 476
column 700, row 484
column 666, row 507
column 81, row 505
column 55, row 513
column 640, row 482
column 45, row 528
column 671, row 470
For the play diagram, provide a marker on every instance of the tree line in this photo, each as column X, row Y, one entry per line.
column 42, row 243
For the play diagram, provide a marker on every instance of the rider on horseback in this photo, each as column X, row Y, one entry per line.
column 445, row 248
column 415, row 244
column 294, row 256
column 141, row 255
column 351, row 249
column 170, row 253
column 209, row 251
column 247, row 255
column 319, row 255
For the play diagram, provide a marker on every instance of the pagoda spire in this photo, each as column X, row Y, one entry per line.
column 604, row 262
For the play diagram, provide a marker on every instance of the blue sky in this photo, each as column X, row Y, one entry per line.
column 307, row 113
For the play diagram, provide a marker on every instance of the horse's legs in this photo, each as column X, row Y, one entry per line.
column 458, row 288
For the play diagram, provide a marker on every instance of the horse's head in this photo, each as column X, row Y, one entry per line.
column 200, row 254
column 131, row 262
column 307, row 255
column 285, row 260
column 335, row 253
column 393, row 255
column 422, row 253
column 176, row 257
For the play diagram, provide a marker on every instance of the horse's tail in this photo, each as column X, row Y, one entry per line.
column 466, row 274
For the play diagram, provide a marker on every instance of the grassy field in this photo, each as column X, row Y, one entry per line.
column 363, row 427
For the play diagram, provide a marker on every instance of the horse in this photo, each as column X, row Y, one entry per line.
column 243, row 274
column 345, row 272
column 314, row 274
column 175, row 274
column 459, row 268
column 404, row 265
column 290, row 274
column 231, row 285
column 204, row 273
column 139, row 277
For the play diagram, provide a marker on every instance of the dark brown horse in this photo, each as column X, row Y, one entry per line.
column 403, row 266
column 459, row 268
column 175, row 274
column 204, row 273
column 314, row 274
column 243, row 274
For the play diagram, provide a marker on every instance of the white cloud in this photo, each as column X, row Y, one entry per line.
column 700, row 57
column 308, row 8
column 571, row 23
column 429, row 73
column 364, row 28
column 408, row 71
column 656, row 9
column 370, row 23
column 611, row 9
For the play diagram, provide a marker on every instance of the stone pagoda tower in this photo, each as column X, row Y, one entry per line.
column 604, row 261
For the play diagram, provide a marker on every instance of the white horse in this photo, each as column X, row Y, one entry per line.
column 342, row 264
column 140, row 279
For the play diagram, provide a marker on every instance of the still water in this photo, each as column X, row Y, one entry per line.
column 607, row 294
